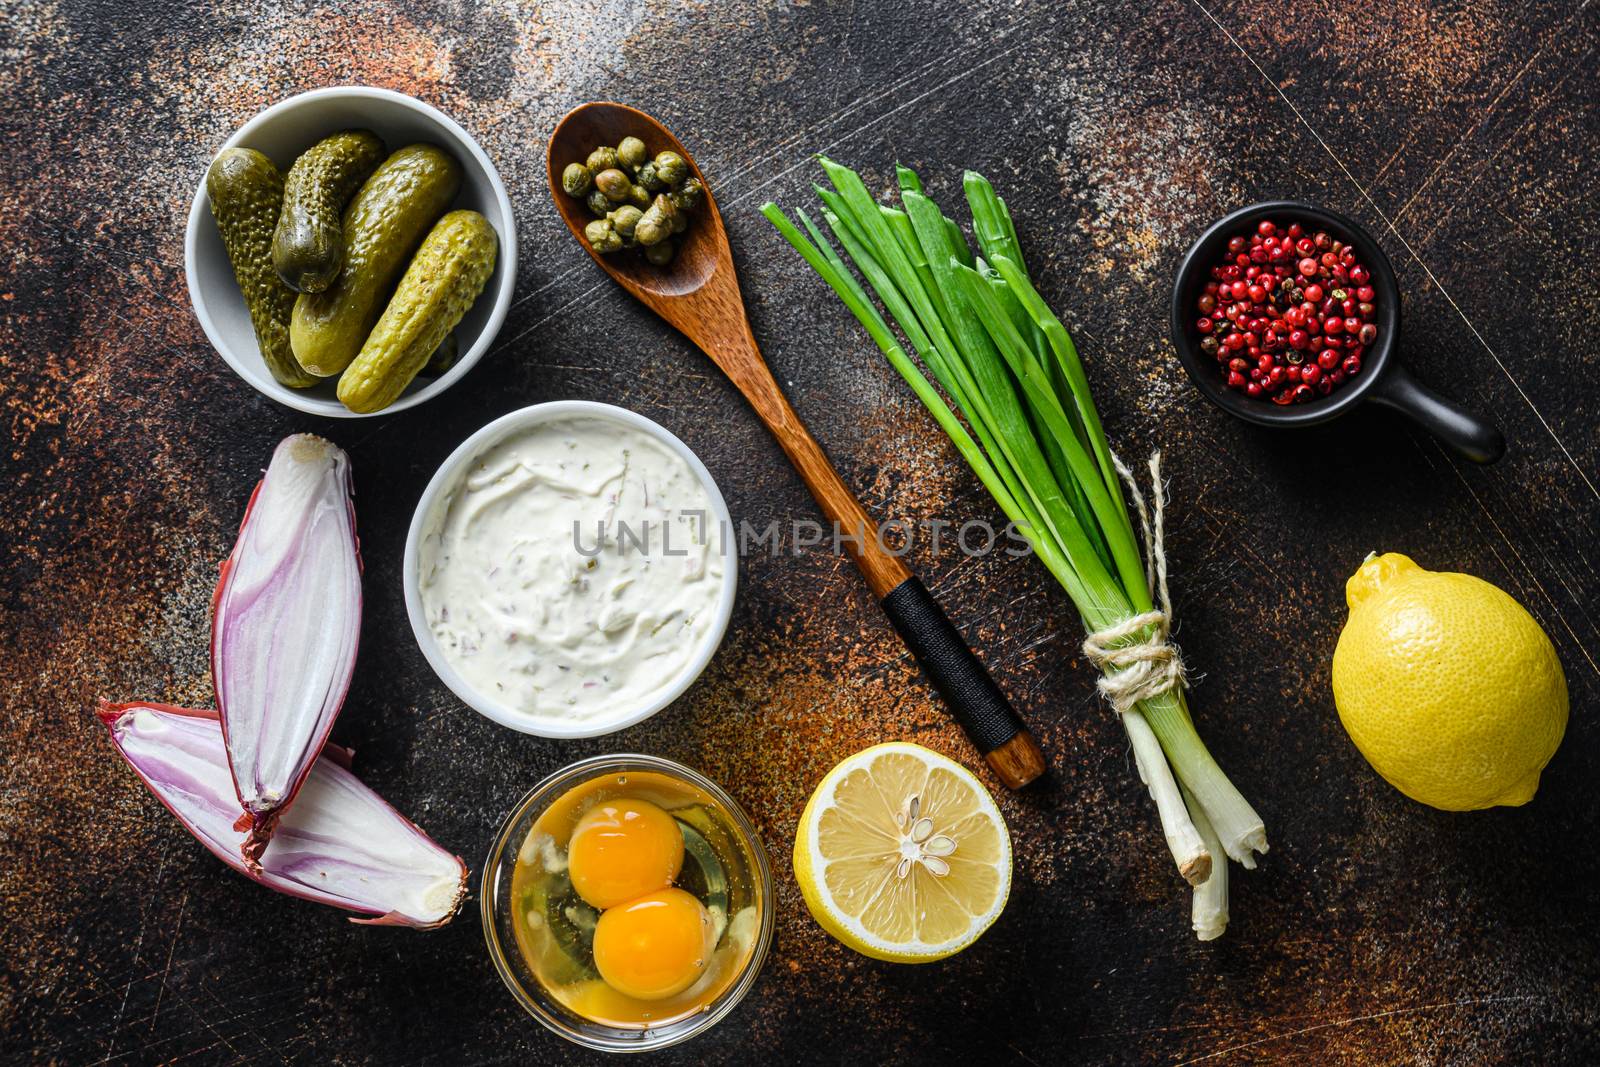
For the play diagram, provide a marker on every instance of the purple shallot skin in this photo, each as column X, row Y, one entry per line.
column 341, row 843
column 286, row 620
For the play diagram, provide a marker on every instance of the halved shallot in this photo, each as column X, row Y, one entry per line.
column 285, row 621
column 340, row 843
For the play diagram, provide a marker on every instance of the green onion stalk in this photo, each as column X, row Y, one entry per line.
column 1020, row 412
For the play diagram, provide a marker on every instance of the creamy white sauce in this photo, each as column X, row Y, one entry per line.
column 573, row 569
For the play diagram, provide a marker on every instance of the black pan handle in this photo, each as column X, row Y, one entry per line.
column 977, row 702
column 1471, row 436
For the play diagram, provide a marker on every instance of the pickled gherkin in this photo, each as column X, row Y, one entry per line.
column 383, row 225
column 246, row 194
column 443, row 281
column 308, row 244
column 444, row 357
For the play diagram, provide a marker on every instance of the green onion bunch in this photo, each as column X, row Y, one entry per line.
column 1020, row 412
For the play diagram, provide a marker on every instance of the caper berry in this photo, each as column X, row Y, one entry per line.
column 671, row 168
column 632, row 152
column 652, row 231
column 637, row 201
column 661, row 253
column 650, row 179
column 600, row 159
column 614, row 184
column 688, row 195
column 576, row 179
column 625, row 218
column 602, row 236
column 656, row 225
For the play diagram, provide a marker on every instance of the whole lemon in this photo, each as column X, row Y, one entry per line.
column 1447, row 685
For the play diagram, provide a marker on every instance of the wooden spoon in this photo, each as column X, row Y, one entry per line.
column 698, row 294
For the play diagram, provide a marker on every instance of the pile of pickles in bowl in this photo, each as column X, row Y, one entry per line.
column 350, row 251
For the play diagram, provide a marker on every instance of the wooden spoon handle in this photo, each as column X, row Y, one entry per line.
column 979, row 705
column 974, row 698
column 857, row 535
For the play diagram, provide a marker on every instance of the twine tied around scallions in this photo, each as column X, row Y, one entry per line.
column 1014, row 399
column 1131, row 671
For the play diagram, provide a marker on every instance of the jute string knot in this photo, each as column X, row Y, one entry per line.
column 1136, row 657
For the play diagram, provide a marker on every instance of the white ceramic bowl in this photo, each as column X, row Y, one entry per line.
column 436, row 496
column 282, row 132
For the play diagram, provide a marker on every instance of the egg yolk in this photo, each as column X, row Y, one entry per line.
column 654, row 947
column 623, row 849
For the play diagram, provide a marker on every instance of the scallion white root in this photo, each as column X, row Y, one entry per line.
column 1189, row 851
column 1209, row 911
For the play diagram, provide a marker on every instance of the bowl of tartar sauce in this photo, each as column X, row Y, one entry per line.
column 570, row 569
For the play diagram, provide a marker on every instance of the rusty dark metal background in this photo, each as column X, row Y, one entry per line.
column 1377, row 931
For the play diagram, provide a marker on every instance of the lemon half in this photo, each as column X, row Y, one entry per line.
column 903, row 855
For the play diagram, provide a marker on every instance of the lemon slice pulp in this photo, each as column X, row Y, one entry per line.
column 903, row 855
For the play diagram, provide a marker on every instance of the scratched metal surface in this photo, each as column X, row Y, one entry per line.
column 1376, row 931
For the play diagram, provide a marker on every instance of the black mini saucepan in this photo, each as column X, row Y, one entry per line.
column 1382, row 379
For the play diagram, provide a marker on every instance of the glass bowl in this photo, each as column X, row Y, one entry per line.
column 498, row 920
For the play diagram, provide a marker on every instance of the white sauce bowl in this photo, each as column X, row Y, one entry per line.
column 436, row 496
column 282, row 132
